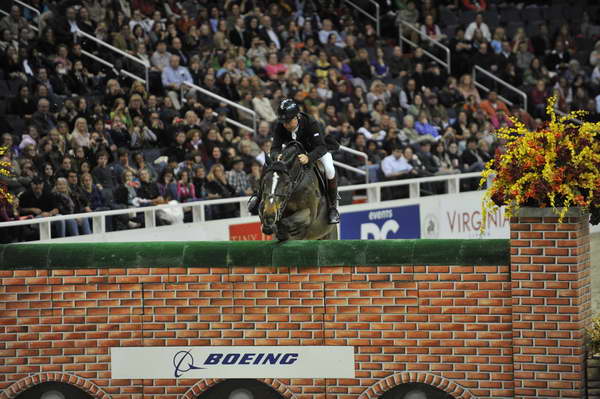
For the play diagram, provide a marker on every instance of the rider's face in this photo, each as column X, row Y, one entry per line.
column 291, row 124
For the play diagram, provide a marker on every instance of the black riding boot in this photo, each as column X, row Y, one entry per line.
column 332, row 195
column 253, row 204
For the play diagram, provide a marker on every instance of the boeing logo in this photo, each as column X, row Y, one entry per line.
column 184, row 362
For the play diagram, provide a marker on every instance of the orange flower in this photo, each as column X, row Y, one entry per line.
column 551, row 165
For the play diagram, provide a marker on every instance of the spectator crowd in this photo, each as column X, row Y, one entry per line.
column 88, row 129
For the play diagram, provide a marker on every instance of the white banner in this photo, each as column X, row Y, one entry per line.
column 232, row 362
column 459, row 216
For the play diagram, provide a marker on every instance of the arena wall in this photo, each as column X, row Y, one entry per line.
column 441, row 312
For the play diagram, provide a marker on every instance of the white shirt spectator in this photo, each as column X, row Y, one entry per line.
column 377, row 136
column 274, row 38
column 262, row 158
column 596, row 75
column 326, row 30
column 161, row 61
column 263, row 108
column 391, row 165
column 473, row 26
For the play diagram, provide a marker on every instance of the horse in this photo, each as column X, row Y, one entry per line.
column 292, row 206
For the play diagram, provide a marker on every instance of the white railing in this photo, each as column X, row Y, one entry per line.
column 230, row 103
column 490, row 75
column 375, row 18
column 35, row 28
column 35, row 10
column 446, row 64
column 146, row 81
column 111, row 66
column 198, row 207
column 562, row 113
column 125, row 54
column 361, row 154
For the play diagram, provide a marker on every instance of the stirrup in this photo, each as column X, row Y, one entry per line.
column 334, row 216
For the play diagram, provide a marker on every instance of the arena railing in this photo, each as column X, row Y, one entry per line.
column 230, row 103
column 402, row 38
column 363, row 155
column 490, row 75
column 375, row 18
column 35, row 10
column 38, row 28
column 562, row 113
column 125, row 54
column 198, row 207
column 112, row 66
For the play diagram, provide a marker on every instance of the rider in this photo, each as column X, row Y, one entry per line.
column 296, row 125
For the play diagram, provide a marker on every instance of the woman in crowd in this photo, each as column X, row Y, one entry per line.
column 446, row 164
column 185, row 191
column 166, row 186
column 218, row 187
column 467, row 88
column 139, row 164
column 80, row 136
column 66, row 206
column 379, row 68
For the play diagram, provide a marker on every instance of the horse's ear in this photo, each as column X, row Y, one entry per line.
column 279, row 166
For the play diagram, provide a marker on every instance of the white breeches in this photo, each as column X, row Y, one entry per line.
column 327, row 162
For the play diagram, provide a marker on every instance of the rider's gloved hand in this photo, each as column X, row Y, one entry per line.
column 303, row 159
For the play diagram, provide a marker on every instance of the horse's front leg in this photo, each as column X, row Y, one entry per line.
column 294, row 226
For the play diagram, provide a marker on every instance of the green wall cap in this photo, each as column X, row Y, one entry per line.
column 256, row 253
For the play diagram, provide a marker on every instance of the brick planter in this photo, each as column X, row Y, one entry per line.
column 452, row 314
column 551, row 291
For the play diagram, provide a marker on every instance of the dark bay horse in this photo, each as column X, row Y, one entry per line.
column 293, row 207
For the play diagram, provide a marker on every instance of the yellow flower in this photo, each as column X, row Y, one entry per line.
column 558, row 162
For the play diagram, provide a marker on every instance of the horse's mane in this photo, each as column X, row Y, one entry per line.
column 287, row 161
column 290, row 152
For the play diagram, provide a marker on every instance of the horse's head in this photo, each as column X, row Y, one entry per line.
column 278, row 184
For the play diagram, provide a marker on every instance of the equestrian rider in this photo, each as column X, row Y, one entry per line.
column 296, row 125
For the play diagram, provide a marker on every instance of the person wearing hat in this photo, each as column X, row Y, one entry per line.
column 38, row 201
column 238, row 179
column 295, row 125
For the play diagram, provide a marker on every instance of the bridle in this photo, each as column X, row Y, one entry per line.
column 279, row 166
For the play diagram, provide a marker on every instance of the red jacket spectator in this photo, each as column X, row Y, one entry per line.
column 475, row 5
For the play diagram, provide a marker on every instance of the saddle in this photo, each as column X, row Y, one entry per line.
column 320, row 172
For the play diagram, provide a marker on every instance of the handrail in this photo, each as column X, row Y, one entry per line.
column 351, row 168
column 145, row 64
column 39, row 14
column 447, row 64
column 198, row 211
column 108, row 64
column 374, row 18
column 521, row 93
column 226, row 101
column 133, row 76
column 562, row 113
column 357, row 153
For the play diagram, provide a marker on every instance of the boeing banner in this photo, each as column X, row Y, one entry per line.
column 232, row 362
column 382, row 223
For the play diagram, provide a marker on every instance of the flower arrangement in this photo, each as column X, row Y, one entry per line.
column 5, row 172
column 593, row 336
column 555, row 166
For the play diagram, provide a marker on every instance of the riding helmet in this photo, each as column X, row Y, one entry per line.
column 287, row 110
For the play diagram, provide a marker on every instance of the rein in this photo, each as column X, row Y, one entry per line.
column 280, row 167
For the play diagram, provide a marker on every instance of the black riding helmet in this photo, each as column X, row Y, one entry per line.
column 287, row 110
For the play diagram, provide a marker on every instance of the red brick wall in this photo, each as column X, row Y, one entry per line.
column 551, row 290
column 472, row 331
column 449, row 326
